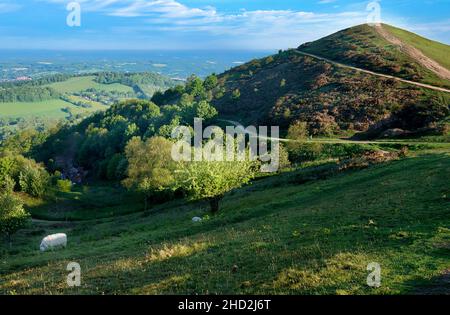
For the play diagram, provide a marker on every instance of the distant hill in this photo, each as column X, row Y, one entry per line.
column 292, row 86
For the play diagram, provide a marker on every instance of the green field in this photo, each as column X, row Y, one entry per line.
column 52, row 108
column 275, row 236
column 45, row 109
column 78, row 84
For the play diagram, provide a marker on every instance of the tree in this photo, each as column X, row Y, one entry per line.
column 12, row 214
column 211, row 180
column 210, row 82
column 33, row 179
column 194, row 86
column 298, row 131
column 205, row 110
column 236, row 94
column 150, row 166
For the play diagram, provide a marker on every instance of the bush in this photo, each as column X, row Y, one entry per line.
column 64, row 185
column 33, row 181
column 303, row 152
column 12, row 214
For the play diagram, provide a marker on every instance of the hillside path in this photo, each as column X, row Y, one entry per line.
column 342, row 65
column 242, row 129
column 414, row 53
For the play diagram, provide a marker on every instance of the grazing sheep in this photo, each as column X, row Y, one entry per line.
column 196, row 219
column 53, row 241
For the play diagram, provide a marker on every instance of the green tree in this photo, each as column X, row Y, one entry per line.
column 12, row 214
column 194, row 86
column 7, row 166
column 33, row 180
column 298, row 131
column 150, row 166
column 236, row 94
column 205, row 110
column 210, row 82
column 211, row 180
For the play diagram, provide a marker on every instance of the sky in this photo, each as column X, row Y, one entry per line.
column 204, row 24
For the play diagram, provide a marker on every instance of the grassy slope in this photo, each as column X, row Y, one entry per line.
column 363, row 47
column 82, row 83
column 52, row 108
column 45, row 109
column 432, row 49
column 313, row 238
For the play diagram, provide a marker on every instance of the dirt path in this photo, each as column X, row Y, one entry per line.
column 240, row 128
column 342, row 65
column 414, row 53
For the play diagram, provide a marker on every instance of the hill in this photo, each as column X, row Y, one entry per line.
column 437, row 51
column 314, row 238
column 386, row 49
column 294, row 86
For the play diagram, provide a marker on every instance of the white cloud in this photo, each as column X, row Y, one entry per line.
column 266, row 29
column 326, row 1
column 6, row 7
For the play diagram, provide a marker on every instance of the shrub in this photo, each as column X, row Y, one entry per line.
column 302, row 152
column 33, row 181
column 150, row 167
column 64, row 185
column 12, row 214
column 7, row 166
column 112, row 166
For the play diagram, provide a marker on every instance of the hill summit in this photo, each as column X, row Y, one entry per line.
column 352, row 80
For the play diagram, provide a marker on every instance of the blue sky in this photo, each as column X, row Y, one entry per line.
column 204, row 24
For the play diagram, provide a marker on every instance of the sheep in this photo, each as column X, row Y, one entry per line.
column 53, row 241
column 196, row 219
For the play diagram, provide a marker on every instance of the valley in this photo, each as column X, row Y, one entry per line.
column 364, row 163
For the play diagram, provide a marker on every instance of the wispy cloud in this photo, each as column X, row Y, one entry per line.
column 172, row 22
column 6, row 7
column 258, row 29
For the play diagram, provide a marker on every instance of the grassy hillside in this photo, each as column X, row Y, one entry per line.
column 65, row 90
column 83, row 83
column 435, row 50
column 44, row 109
column 315, row 238
column 364, row 47
column 291, row 86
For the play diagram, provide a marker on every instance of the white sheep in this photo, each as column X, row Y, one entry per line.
column 53, row 241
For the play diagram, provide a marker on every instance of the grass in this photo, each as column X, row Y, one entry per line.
column 78, row 84
column 95, row 106
column 273, row 237
column 432, row 49
column 53, row 108
column 363, row 47
column 107, row 200
column 45, row 109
